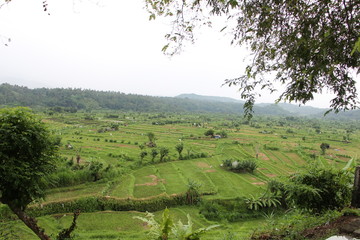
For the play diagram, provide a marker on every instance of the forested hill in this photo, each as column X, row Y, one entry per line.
column 81, row 99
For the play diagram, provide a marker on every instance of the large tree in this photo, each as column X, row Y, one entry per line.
column 308, row 45
column 27, row 155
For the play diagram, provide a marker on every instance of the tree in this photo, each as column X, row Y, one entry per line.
column 95, row 168
column 311, row 46
column 223, row 134
column 163, row 153
column 151, row 136
column 179, row 148
column 143, row 154
column 193, row 192
column 209, row 132
column 152, row 139
column 323, row 147
column 154, row 153
column 27, row 155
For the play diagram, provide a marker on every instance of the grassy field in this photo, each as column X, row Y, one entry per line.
column 123, row 225
column 280, row 146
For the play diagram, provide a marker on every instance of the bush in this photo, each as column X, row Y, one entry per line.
column 273, row 148
column 227, row 163
column 317, row 189
column 209, row 132
column 248, row 165
column 223, row 134
column 93, row 204
column 231, row 210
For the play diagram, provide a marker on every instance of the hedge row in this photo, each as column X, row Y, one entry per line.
column 94, row 204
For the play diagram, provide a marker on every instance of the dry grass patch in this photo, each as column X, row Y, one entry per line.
column 154, row 181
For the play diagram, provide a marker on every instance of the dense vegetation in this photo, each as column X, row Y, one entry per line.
column 73, row 100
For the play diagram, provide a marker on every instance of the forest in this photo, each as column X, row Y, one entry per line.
column 72, row 100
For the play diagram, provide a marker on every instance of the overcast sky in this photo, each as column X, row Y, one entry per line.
column 111, row 45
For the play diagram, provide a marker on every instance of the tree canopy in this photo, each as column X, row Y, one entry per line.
column 309, row 46
column 27, row 155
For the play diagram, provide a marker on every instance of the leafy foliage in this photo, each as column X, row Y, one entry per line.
column 264, row 201
column 186, row 232
column 166, row 229
column 323, row 147
column 316, row 189
column 154, row 153
column 95, row 170
column 247, row 165
column 151, row 137
column 310, row 45
column 27, row 154
column 231, row 210
column 209, row 132
column 179, row 148
column 223, row 134
column 193, row 192
column 158, row 231
column 164, row 151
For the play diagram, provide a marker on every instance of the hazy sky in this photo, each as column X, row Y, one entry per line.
column 111, row 45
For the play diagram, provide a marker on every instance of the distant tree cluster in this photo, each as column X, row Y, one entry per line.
column 71, row 100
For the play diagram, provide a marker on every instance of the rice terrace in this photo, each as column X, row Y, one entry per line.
column 205, row 169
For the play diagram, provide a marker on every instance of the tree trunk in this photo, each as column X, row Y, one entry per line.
column 66, row 233
column 30, row 222
column 355, row 202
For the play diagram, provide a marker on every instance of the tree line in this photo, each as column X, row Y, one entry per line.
column 72, row 100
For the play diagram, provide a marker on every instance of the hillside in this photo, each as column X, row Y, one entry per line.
column 60, row 99
column 72, row 100
column 209, row 98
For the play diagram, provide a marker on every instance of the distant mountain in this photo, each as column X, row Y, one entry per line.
column 281, row 109
column 302, row 110
column 298, row 110
column 268, row 108
column 353, row 114
column 209, row 98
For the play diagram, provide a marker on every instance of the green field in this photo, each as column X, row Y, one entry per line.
column 280, row 147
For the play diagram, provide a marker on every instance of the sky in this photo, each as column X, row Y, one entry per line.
column 111, row 45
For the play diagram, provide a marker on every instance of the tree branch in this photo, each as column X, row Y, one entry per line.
column 30, row 222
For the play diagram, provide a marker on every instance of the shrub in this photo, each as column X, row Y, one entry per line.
column 209, row 132
column 193, row 192
column 323, row 147
column 164, row 151
column 317, row 189
column 227, row 163
column 93, row 204
column 223, row 134
column 248, row 165
column 290, row 131
column 273, row 148
column 265, row 201
column 231, row 210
